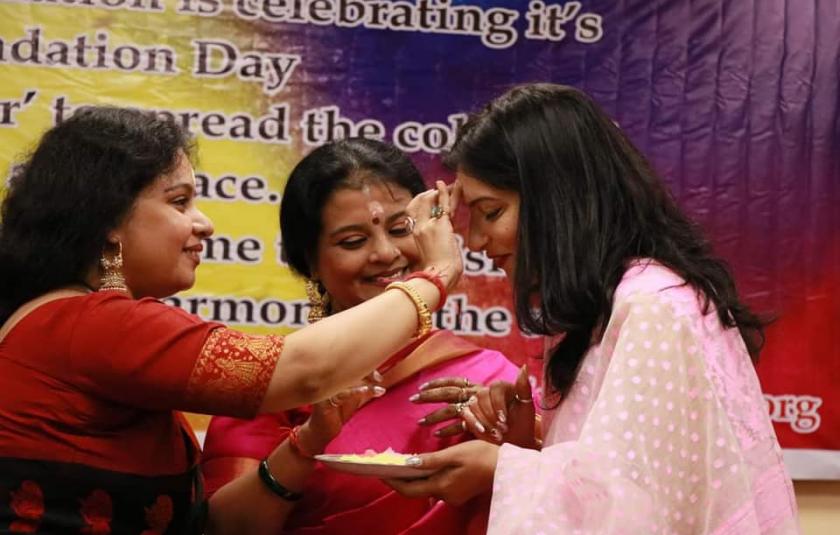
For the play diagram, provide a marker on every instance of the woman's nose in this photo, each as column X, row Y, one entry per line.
column 202, row 226
column 476, row 240
column 385, row 251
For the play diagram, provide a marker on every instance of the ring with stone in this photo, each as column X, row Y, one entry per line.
column 459, row 408
column 437, row 211
column 522, row 400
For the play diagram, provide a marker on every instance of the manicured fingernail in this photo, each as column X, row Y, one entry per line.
column 502, row 416
column 378, row 391
column 377, row 376
column 424, row 385
column 479, row 427
column 414, row 397
column 422, row 421
column 473, row 400
column 437, row 433
column 414, row 460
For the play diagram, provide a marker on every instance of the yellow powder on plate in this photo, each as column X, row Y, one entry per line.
column 388, row 456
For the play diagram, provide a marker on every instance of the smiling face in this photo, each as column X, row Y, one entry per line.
column 365, row 242
column 161, row 236
column 494, row 219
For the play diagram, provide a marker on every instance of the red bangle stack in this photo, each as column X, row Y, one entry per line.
column 434, row 279
column 294, row 442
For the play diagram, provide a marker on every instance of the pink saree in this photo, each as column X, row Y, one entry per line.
column 335, row 502
column 665, row 431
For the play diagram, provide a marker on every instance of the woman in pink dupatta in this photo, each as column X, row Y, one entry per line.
column 654, row 419
column 344, row 228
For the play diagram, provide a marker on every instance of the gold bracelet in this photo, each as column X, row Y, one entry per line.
column 424, row 315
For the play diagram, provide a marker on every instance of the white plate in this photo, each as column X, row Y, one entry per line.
column 380, row 470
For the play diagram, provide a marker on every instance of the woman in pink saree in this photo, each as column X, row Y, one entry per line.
column 344, row 228
column 654, row 418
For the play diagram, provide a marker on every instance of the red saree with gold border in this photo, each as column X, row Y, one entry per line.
column 91, row 440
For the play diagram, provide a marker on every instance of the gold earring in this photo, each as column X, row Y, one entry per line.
column 319, row 303
column 112, row 277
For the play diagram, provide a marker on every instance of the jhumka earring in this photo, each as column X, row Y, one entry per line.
column 318, row 302
column 112, row 277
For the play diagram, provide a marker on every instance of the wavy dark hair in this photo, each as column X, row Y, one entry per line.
column 78, row 184
column 347, row 163
column 589, row 204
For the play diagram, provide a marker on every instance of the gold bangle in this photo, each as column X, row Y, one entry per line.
column 424, row 315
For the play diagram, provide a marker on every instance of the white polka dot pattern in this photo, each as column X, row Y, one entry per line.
column 663, row 432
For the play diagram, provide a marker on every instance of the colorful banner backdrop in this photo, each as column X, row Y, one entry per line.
column 734, row 101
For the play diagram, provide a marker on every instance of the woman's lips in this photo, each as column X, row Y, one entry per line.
column 194, row 253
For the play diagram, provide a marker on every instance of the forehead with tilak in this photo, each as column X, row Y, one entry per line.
column 372, row 187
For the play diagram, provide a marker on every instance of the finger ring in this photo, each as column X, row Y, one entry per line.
column 464, row 395
column 522, row 400
column 409, row 224
column 463, row 426
column 459, row 408
column 467, row 383
column 334, row 403
column 437, row 211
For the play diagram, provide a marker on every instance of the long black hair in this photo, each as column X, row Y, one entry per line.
column 79, row 183
column 589, row 204
column 346, row 163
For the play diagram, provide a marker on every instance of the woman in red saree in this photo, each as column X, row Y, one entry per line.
column 343, row 229
column 101, row 222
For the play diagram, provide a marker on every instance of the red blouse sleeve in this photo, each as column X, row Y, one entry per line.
column 147, row 354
